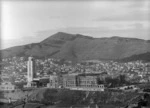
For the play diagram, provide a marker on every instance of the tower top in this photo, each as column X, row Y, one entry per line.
column 30, row 58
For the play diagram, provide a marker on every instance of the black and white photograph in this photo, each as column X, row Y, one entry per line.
column 74, row 53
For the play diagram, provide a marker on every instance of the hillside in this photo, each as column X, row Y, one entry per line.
column 77, row 47
column 144, row 57
column 66, row 98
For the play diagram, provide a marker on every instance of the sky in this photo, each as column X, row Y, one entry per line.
column 24, row 22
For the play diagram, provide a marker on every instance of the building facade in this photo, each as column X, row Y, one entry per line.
column 53, row 81
column 7, row 86
column 86, row 82
column 70, row 81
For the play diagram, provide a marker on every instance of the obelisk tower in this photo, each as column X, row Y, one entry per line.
column 30, row 69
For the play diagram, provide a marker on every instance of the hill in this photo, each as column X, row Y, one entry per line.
column 144, row 57
column 78, row 47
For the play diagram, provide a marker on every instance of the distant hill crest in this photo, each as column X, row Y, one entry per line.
column 77, row 47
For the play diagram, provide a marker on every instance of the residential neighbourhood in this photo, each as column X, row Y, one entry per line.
column 31, row 74
column 15, row 69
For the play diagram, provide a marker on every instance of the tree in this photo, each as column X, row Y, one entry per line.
column 122, row 79
column 99, row 81
column 113, row 81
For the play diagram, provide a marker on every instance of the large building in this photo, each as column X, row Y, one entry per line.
column 55, row 81
column 147, row 69
column 70, row 81
column 87, row 82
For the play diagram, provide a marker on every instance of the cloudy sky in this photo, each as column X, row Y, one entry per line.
column 24, row 22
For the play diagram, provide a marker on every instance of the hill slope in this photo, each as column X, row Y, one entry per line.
column 77, row 47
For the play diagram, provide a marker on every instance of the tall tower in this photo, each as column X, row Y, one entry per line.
column 31, row 69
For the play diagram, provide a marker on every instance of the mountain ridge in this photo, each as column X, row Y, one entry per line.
column 77, row 47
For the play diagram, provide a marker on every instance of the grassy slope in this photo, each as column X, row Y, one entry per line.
column 63, row 97
column 79, row 47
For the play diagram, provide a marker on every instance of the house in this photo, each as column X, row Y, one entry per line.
column 7, row 86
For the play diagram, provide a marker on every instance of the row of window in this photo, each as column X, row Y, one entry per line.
column 88, row 86
column 88, row 82
column 7, row 88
